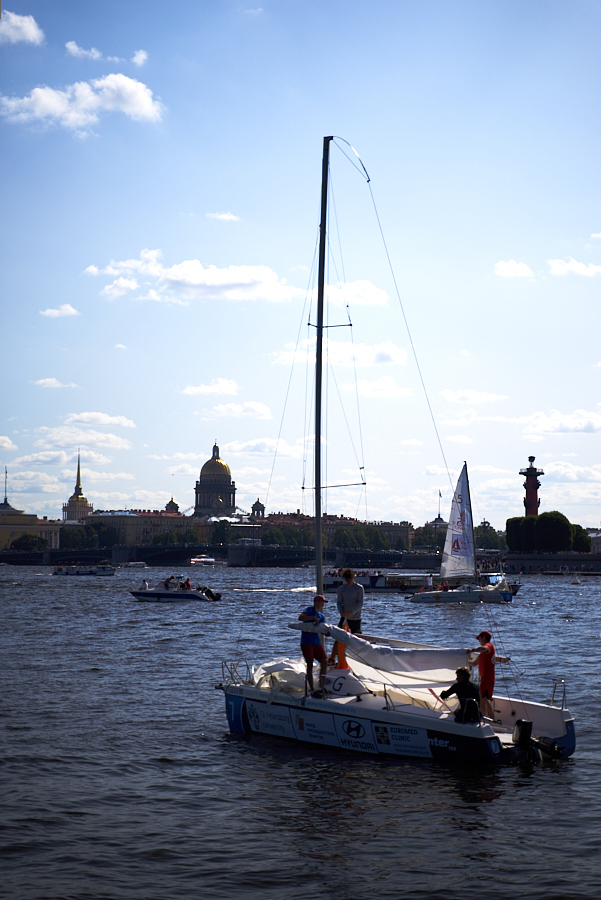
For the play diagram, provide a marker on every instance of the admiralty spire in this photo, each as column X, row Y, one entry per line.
column 77, row 507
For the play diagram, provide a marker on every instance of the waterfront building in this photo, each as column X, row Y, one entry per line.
column 139, row 527
column 77, row 506
column 215, row 491
column 14, row 523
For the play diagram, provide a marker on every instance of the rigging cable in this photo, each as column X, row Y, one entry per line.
column 365, row 174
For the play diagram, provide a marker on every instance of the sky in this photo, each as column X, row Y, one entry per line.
column 161, row 176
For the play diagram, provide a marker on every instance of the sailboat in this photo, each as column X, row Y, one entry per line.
column 387, row 698
column 459, row 560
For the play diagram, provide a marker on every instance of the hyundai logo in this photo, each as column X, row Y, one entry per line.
column 353, row 729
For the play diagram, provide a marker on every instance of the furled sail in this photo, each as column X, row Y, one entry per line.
column 458, row 557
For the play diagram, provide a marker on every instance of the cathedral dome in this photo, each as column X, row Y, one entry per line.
column 215, row 466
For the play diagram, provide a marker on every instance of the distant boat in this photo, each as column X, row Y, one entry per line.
column 84, row 570
column 459, row 560
column 202, row 561
column 173, row 590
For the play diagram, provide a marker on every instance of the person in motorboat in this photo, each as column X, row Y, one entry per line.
column 144, row 586
column 187, row 585
column 349, row 601
column 468, row 696
column 486, row 668
column 311, row 646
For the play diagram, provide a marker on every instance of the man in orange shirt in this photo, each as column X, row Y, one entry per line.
column 486, row 669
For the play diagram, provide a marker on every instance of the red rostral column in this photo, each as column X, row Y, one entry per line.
column 532, row 484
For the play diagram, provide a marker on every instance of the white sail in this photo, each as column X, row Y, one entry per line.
column 458, row 557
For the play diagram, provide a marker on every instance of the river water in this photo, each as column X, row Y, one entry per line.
column 120, row 779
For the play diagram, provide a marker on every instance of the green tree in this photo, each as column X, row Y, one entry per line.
column 222, row 532
column 552, row 532
column 581, row 541
column 29, row 542
column 166, row 538
column 513, row 533
column 376, row 539
column 527, row 525
column 426, row 538
column 107, row 536
column 272, row 536
column 78, row 538
column 400, row 543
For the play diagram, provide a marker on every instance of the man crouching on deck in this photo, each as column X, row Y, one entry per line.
column 311, row 645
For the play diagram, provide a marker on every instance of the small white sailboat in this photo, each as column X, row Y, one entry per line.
column 459, row 560
column 383, row 696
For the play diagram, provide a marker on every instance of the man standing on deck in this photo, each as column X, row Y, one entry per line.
column 311, row 646
column 349, row 601
column 486, row 669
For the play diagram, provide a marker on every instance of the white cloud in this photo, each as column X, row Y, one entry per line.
column 513, row 269
column 65, row 309
column 15, row 28
column 597, row 365
column 139, row 57
column 236, row 283
column 183, row 469
column 471, row 396
column 6, row 443
column 119, row 287
column 70, row 436
column 217, row 386
column 568, row 472
column 91, row 475
column 27, row 482
column 555, row 422
column 98, row 418
column 60, row 458
column 412, row 442
column 77, row 106
column 53, row 383
column 251, row 409
column 223, row 217
column 92, row 270
column 254, row 12
column 459, row 439
column 179, row 456
column 80, row 53
column 264, row 447
column 385, row 386
column 563, row 267
column 120, row 347
column 345, row 354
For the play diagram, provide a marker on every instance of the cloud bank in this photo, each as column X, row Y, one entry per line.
column 15, row 29
column 79, row 105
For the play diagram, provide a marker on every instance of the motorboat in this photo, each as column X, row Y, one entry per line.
column 202, row 561
column 84, row 570
column 173, row 590
column 459, row 560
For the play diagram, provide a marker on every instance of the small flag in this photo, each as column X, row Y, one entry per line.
column 440, row 495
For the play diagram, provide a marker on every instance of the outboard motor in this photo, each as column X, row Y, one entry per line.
column 522, row 734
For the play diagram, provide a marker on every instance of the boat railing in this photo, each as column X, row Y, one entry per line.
column 559, row 683
column 236, row 672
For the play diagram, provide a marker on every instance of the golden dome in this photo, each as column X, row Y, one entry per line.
column 215, row 466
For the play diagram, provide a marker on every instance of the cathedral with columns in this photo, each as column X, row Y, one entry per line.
column 215, row 491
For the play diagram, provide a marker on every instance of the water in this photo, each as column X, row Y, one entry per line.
column 121, row 780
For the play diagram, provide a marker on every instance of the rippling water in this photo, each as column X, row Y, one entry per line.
column 120, row 778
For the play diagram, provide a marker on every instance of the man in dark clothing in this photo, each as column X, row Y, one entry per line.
column 468, row 696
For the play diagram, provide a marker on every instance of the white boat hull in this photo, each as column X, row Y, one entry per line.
column 463, row 596
column 366, row 725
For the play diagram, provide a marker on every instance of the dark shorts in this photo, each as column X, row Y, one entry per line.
column 313, row 651
column 353, row 624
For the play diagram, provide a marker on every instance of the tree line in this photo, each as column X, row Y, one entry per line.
column 549, row 532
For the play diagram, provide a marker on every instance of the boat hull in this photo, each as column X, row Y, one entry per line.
column 361, row 727
column 368, row 726
column 171, row 596
column 474, row 596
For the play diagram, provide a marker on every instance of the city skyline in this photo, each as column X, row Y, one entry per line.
column 161, row 186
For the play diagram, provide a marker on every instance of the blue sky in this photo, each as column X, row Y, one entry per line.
column 160, row 184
